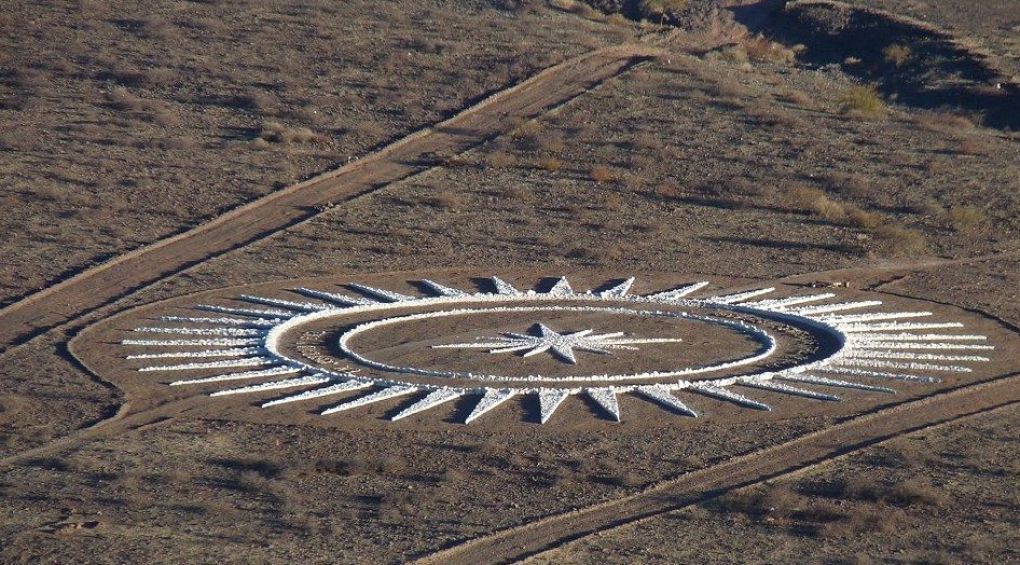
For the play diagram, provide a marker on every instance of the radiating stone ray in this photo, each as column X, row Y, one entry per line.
column 237, row 352
column 247, row 322
column 739, row 296
column 783, row 304
column 726, row 394
column 431, row 400
column 337, row 298
column 897, row 326
column 243, row 375
column 678, row 293
column 869, row 345
column 221, row 364
column 549, row 399
column 876, row 316
column 824, row 381
column 879, row 354
column 618, row 291
column 288, row 304
column 663, row 396
column 492, row 398
column 838, row 307
column 877, row 374
column 383, row 394
column 787, row 389
column 865, row 337
column 228, row 341
column 307, row 380
column 606, row 399
column 902, row 365
column 252, row 312
column 442, row 290
column 203, row 331
column 338, row 388
column 387, row 295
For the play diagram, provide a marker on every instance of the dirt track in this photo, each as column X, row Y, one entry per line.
column 541, row 535
column 103, row 284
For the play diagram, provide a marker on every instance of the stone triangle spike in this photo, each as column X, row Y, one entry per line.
column 678, row 293
column 503, row 287
column 492, row 398
column 728, row 395
column 387, row 295
column 811, row 379
column 337, row 388
column 561, row 288
column 221, row 364
column 431, row 400
column 606, row 399
column 618, row 291
column 316, row 379
column 549, row 399
column 787, row 389
column 441, row 289
column 739, row 296
column 664, row 397
column 334, row 297
column 383, row 394
column 879, row 374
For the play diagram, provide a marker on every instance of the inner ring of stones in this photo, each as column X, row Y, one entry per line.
column 713, row 346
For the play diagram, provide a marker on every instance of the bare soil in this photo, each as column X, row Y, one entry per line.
column 131, row 122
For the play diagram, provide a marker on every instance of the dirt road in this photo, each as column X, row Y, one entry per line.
column 541, row 535
column 125, row 274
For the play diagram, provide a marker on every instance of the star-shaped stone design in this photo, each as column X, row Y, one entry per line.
column 561, row 345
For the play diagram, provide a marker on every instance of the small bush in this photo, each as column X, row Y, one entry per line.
column 275, row 132
column 601, row 174
column 862, row 101
column 896, row 240
column 968, row 219
column 550, row 164
column 660, row 9
column 762, row 50
column 816, row 202
column 445, row 201
column 896, row 54
column 863, row 219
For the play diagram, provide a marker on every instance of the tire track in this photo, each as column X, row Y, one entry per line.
column 548, row 533
column 70, row 299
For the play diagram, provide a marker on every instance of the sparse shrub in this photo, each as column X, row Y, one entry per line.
column 863, row 218
column 275, row 132
column 445, row 201
column 550, row 164
column 668, row 191
column 798, row 98
column 968, row 219
column 498, row 160
column 601, row 174
column 972, row 146
column 897, row 240
column 862, row 101
column 762, row 50
column 896, row 54
column 815, row 201
column 660, row 9
column 945, row 121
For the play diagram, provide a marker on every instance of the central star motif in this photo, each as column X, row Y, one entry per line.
column 561, row 345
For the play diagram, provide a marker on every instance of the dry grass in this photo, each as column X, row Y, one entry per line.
column 275, row 132
column 816, row 202
column 601, row 174
column 863, row 218
column 762, row 50
column 896, row 54
column 550, row 164
column 445, row 201
column 968, row 220
column 897, row 241
column 862, row 102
